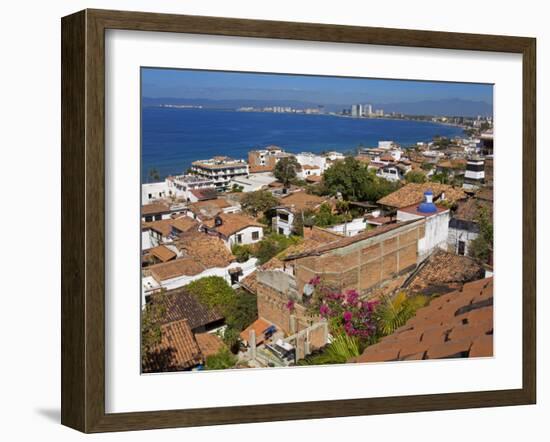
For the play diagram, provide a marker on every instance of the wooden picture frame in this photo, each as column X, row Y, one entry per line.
column 83, row 219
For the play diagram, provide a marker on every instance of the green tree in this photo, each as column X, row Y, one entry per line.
column 258, row 202
column 221, row 360
column 272, row 245
column 241, row 251
column 232, row 339
column 243, row 311
column 481, row 248
column 355, row 182
column 213, row 291
column 286, row 170
column 442, row 178
column 415, row 176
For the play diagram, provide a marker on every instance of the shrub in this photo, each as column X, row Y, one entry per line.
column 241, row 252
column 221, row 360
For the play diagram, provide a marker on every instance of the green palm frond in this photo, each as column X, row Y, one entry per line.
column 395, row 312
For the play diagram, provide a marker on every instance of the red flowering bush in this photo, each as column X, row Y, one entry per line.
column 344, row 311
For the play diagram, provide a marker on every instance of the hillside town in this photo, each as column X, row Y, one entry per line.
column 283, row 259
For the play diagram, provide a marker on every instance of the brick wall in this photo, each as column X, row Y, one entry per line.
column 364, row 264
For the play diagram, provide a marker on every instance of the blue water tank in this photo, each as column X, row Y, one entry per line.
column 427, row 206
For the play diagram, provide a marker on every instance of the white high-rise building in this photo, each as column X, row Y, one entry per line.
column 367, row 110
column 356, row 110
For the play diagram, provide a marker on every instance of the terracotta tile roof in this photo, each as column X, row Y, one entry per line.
column 250, row 283
column 180, row 304
column 178, row 349
column 208, row 208
column 205, row 194
column 210, row 251
column 346, row 241
column 164, row 226
column 209, row 344
column 259, row 326
column 232, row 223
column 185, row 266
column 252, row 168
column 314, row 178
column 485, row 193
column 185, row 224
column 154, row 209
column 162, row 253
column 413, row 193
column 300, row 201
column 468, row 210
column 458, row 324
column 443, row 272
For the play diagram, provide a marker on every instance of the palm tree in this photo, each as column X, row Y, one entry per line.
column 393, row 313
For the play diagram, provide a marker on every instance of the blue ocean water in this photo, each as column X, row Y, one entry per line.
column 173, row 138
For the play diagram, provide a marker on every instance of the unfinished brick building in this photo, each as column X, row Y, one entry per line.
column 361, row 262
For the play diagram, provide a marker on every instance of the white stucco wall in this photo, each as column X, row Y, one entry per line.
column 286, row 226
column 153, row 191
column 436, row 231
column 246, row 236
column 352, row 228
column 456, row 235
column 247, row 267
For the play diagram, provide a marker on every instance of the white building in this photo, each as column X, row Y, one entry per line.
column 356, row 110
column 334, row 156
column 390, row 173
column 474, row 174
column 235, row 228
column 436, row 228
column 221, row 170
column 351, row 228
column 310, row 159
column 151, row 192
column 183, row 185
column 253, row 182
column 308, row 171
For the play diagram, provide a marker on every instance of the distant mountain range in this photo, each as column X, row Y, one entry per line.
column 449, row 107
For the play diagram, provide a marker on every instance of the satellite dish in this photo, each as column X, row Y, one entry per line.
column 308, row 289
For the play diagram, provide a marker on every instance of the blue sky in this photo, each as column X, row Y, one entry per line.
column 175, row 83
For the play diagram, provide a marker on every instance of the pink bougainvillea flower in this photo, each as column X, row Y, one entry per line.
column 290, row 304
column 347, row 316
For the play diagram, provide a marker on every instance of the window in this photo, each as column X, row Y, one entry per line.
column 150, row 195
column 283, row 217
column 255, row 235
column 281, row 231
column 158, row 217
column 239, row 238
column 148, row 218
column 461, row 247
